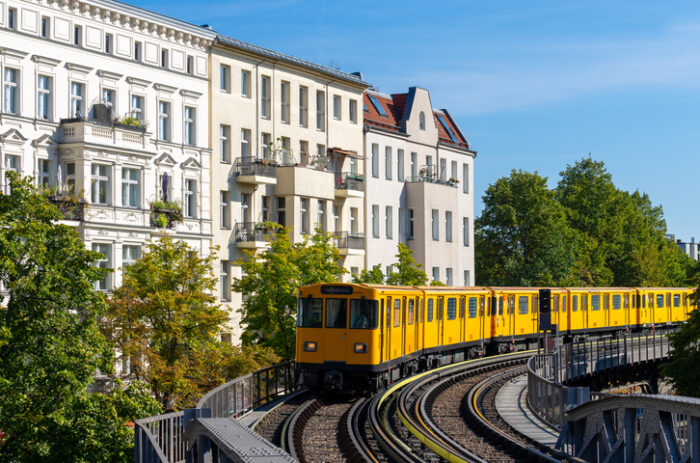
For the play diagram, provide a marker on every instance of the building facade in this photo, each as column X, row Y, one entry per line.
column 418, row 188
column 108, row 105
column 287, row 148
column 691, row 249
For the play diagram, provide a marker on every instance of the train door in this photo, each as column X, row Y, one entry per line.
column 416, row 320
column 462, row 320
column 387, row 328
column 336, row 330
column 584, row 311
column 482, row 304
column 404, row 328
column 652, row 307
column 606, row 310
column 534, row 316
column 669, row 308
column 397, row 328
column 510, row 316
column 382, row 333
column 440, row 320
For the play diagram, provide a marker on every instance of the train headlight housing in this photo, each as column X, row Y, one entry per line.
column 310, row 346
column 360, row 348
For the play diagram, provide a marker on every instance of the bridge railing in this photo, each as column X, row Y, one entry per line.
column 161, row 438
column 548, row 396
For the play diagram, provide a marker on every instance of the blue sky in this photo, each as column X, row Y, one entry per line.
column 534, row 85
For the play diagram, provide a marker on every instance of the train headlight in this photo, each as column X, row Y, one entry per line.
column 360, row 348
column 310, row 346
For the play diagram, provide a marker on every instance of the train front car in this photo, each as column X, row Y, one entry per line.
column 338, row 334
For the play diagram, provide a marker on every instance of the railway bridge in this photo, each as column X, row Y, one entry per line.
column 563, row 391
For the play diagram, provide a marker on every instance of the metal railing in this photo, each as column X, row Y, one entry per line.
column 548, row 396
column 254, row 166
column 72, row 208
column 161, row 438
column 349, row 182
column 350, row 240
column 432, row 179
column 251, row 231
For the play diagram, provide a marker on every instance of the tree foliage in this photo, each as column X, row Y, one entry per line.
column 271, row 281
column 584, row 232
column 50, row 344
column 404, row 272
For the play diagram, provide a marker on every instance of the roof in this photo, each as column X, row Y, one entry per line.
column 394, row 106
column 248, row 47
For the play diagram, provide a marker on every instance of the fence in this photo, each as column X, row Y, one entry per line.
column 161, row 438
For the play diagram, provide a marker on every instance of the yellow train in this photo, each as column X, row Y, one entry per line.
column 363, row 337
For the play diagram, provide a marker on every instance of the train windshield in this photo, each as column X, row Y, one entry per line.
column 309, row 312
column 364, row 314
column 336, row 313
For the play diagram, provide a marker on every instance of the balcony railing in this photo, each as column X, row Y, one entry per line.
column 349, row 182
column 251, row 231
column 71, row 208
column 433, row 179
column 254, row 166
column 350, row 240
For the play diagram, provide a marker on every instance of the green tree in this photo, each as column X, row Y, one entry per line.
column 522, row 237
column 50, row 344
column 271, row 281
column 374, row 276
column 165, row 318
column 408, row 272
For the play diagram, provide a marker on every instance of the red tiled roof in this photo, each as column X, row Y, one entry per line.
column 394, row 107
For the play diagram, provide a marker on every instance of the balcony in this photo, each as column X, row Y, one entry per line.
column 428, row 174
column 100, row 128
column 255, row 170
column 251, row 235
column 72, row 208
column 349, row 186
column 350, row 243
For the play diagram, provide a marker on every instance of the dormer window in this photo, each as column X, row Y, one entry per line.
column 378, row 106
column 421, row 120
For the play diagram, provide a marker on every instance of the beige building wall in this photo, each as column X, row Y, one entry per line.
column 282, row 157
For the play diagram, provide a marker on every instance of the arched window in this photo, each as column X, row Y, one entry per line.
column 421, row 120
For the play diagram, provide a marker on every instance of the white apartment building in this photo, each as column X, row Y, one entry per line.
column 101, row 101
column 287, row 148
column 418, row 187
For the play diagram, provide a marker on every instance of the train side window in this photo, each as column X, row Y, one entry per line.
column 461, row 307
column 500, row 306
column 411, row 310
column 535, row 304
column 430, row 310
column 511, row 304
column 397, row 312
column 309, row 313
column 584, row 302
column 616, row 302
column 555, row 303
column 626, row 301
column 522, row 305
column 606, row 301
column 574, row 303
column 440, row 308
column 595, row 302
column 451, row 308
column 364, row 314
column 472, row 307
column 644, row 301
column 668, row 299
column 336, row 313
column 676, row 300
column 651, row 301
column 659, row 300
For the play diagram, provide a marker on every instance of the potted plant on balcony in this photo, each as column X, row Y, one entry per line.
column 164, row 214
column 70, row 204
column 453, row 181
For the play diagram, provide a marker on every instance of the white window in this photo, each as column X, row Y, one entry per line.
column 453, row 168
column 321, row 111
column 448, row 226
column 428, row 161
column 190, row 126
column 43, row 97
column 281, row 211
column 265, row 142
column 225, row 78
column 375, row 160
column 109, row 40
column 448, row 276
column 163, row 121
column 266, row 216
column 77, row 35
column 387, row 162
column 137, row 51
column 105, row 261
column 465, row 178
column 321, row 219
column 45, row 27
column 108, row 97
column 265, row 97
column 304, row 215
column 284, row 100
column 389, row 219
column 421, row 120
column 337, row 110
column 353, row 111
column 436, row 225
column 245, row 143
column 225, row 142
column 320, row 150
column 130, row 254
column 225, row 281
column 465, row 231
column 411, row 224
column 436, row 273
column 375, row 220
column 336, row 217
column 12, row 163
column 399, row 166
column 189, row 66
column 131, row 191
column 164, row 58
column 190, row 198
column 44, row 173
column 353, row 220
column 12, row 18
column 414, row 165
column 225, row 211
column 467, row 281
column 100, row 187
column 245, row 208
column 245, row 83
column 136, row 107
column 443, row 169
column 303, row 106
column 11, row 90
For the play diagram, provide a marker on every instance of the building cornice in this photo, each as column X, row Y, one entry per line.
column 109, row 75
column 138, row 82
column 45, row 60
column 13, row 53
column 78, row 67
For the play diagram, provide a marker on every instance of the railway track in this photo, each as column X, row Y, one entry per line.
column 446, row 414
